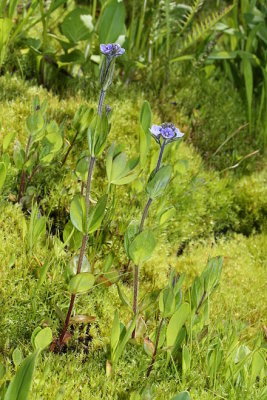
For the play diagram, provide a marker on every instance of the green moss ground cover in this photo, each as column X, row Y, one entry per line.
column 215, row 215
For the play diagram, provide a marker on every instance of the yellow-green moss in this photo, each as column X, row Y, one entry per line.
column 208, row 209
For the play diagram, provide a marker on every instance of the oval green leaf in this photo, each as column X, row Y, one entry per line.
column 78, row 213
column 81, row 283
column 142, row 246
column 43, row 338
column 158, row 182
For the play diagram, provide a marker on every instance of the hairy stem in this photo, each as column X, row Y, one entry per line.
column 101, row 100
column 155, row 350
column 160, row 155
column 82, row 251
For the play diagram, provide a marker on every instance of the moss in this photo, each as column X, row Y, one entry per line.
column 251, row 202
column 213, row 110
column 208, row 210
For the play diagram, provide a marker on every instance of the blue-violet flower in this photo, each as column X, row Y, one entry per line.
column 166, row 131
column 111, row 50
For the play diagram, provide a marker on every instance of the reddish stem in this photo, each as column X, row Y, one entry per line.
column 82, row 251
column 155, row 350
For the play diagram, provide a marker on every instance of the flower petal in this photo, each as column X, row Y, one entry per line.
column 155, row 130
column 178, row 133
column 103, row 48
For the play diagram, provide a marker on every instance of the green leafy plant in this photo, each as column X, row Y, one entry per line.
column 181, row 314
column 120, row 335
column 85, row 219
column 20, row 385
column 44, row 143
column 241, row 52
column 140, row 244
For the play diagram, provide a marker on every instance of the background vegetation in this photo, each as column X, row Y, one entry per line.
column 201, row 65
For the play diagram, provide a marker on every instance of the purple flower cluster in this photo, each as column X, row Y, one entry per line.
column 167, row 131
column 111, row 50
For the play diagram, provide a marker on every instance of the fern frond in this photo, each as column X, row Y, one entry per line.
column 201, row 28
column 188, row 17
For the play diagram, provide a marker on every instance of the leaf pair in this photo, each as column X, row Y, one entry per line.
column 97, row 134
column 119, row 170
column 120, row 336
column 78, row 214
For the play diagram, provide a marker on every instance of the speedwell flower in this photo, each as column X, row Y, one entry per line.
column 167, row 131
column 111, row 50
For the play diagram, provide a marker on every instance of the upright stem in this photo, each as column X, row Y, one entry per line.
column 136, row 286
column 100, row 106
column 84, row 240
column 144, row 216
column 160, row 155
column 82, row 251
column 23, row 173
column 101, row 99
column 145, row 212
column 155, row 349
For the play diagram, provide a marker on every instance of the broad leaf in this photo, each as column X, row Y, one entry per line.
column 181, row 396
column 35, row 123
column 142, row 246
column 111, row 22
column 78, row 213
column 81, row 283
column 158, row 182
column 43, row 338
column 175, row 324
column 77, row 25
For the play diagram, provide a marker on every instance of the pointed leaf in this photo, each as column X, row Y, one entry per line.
column 97, row 214
column 175, row 324
column 115, row 333
column 78, row 213
column 19, row 387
